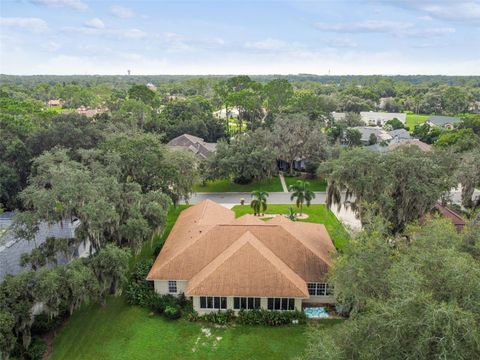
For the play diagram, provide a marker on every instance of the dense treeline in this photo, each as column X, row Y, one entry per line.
column 113, row 172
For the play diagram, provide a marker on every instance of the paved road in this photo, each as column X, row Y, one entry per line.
column 234, row 198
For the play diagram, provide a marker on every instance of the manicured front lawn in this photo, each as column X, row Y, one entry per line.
column 317, row 213
column 315, row 184
column 414, row 119
column 226, row 185
column 119, row 331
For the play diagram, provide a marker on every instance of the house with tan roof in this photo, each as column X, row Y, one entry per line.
column 221, row 262
column 194, row 144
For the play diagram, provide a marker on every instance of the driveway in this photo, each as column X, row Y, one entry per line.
column 230, row 199
column 234, row 198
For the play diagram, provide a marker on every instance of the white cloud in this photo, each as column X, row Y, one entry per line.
column 267, row 44
column 425, row 18
column 381, row 26
column 122, row 12
column 342, row 43
column 95, row 23
column 455, row 10
column 115, row 33
column 35, row 25
column 74, row 4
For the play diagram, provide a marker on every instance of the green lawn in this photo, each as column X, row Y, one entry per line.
column 315, row 184
column 118, row 331
column 225, row 185
column 414, row 119
column 317, row 213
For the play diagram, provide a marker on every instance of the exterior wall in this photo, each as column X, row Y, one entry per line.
column 161, row 286
column 263, row 305
column 330, row 299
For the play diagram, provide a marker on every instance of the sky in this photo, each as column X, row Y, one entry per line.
column 240, row 37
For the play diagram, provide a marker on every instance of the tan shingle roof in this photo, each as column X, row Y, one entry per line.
column 206, row 234
column 244, row 268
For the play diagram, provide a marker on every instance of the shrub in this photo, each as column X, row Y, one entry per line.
column 138, row 291
column 157, row 249
column 271, row 318
column 44, row 323
column 217, row 317
column 36, row 350
column 172, row 312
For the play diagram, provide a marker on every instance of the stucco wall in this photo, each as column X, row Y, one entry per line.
column 263, row 305
column 330, row 299
column 161, row 286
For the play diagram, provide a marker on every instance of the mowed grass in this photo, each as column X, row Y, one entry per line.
column 118, row 331
column 226, row 185
column 317, row 213
column 315, row 184
column 414, row 120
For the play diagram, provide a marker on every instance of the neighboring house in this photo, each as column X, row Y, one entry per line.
column 372, row 118
column 298, row 165
column 89, row 112
column 225, row 263
column 446, row 122
column 400, row 134
column 222, row 113
column 367, row 131
column 380, row 118
column 415, row 142
column 55, row 102
column 152, row 87
column 194, row 144
column 12, row 247
column 447, row 213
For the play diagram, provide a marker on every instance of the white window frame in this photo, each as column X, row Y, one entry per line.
column 320, row 289
column 247, row 307
column 172, row 286
column 281, row 303
column 212, row 300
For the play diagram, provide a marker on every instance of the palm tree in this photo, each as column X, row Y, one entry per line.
column 302, row 193
column 292, row 214
column 259, row 201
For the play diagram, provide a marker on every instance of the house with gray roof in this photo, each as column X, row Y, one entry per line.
column 367, row 132
column 373, row 118
column 446, row 122
column 194, row 144
column 13, row 247
column 380, row 118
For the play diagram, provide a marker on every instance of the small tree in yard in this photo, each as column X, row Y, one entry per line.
column 259, row 201
column 301, row 191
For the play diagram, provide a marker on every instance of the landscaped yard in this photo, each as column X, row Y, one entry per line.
column 317, row 213
column 270, row 185
column 415, row 119
column 315, row 184
column 226, row 185
column 120, row 331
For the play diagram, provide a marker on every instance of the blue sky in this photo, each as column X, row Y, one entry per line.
column 240, row 37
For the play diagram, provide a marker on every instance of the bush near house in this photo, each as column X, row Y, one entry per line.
column 270, row 318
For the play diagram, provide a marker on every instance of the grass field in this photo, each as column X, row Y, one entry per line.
column 414, row 119
column 225, row 185
column 270, row 185
column 119, row 331
column 317, row 213
column 315, row 184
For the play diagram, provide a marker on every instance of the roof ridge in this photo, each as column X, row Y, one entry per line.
column 263, row 250
column 304, row 243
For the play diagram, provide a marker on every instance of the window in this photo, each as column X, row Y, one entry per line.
column 213, row 302
column 246, row 303
column 172, row 286
column 281, row 304
column 320, row 289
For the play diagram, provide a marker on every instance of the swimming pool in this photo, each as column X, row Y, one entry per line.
column 316, row 312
